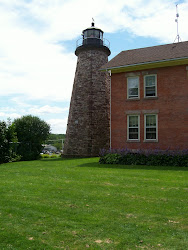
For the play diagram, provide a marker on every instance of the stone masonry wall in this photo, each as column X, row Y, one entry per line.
column 88, row 127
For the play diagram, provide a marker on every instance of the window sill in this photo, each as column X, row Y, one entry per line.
column 151, row 98
column 133, row 141
column 133, row 99
column 150, row 141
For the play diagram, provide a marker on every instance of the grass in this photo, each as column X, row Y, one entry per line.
column 79, row 204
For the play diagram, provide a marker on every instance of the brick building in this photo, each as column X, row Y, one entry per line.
column 149, row 98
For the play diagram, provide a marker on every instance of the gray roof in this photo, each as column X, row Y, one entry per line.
column 149, row 54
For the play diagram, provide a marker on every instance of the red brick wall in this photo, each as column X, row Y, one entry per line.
column 171, row 105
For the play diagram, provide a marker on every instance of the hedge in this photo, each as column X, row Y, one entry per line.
column 143, row 157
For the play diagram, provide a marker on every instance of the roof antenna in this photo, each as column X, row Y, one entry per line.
column 176, row 20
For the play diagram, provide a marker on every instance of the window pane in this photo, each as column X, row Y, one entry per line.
column 96, row 33
column 150, row 85
column 150, row 91
column 133, row 85
column 133, row 133
column 151, row 133
column 150, row 81
column 133, row 92
column 90, row 33
column 133, row 82
column 151, row 127
column 133, row 121
column 150, row 120
column 133, row 127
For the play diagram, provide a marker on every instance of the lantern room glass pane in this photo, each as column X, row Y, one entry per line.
column 92, row 33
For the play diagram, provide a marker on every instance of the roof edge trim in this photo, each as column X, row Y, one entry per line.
column 160, row 63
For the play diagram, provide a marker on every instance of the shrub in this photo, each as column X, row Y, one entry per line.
column 7, row 136
column 150, row 157
column 110, row 159
column 31, row 133
column 15, row 157
column 43, row 156
column 53, row 156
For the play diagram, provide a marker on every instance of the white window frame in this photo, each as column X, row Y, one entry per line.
column 128, row 139
column 154, row 140
column 146, row 87
column 134, row 97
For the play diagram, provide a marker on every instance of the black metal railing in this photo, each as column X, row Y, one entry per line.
column 92, row 41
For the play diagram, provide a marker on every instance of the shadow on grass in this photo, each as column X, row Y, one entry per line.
column 116, row 166
column 136, row 167
column 61, row 159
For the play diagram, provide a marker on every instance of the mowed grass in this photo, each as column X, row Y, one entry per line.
column 80, row 204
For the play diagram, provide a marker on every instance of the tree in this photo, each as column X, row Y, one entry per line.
column 31, row 133
column 7, row 135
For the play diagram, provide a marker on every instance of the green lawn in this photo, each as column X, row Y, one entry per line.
column 80, row 204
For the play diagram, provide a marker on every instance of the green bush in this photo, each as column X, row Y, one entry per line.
column 44, row 156
column 110, row 159
column 7, row 136
column 53, row 156
column 15, row 157
column 157, row 158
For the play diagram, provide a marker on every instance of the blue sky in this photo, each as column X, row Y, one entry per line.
column 38, row 39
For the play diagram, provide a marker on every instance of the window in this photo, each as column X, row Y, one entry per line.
column 151, row 132
column 133, row 127
column 150, row 86
column 92, row 33
column 133, row 87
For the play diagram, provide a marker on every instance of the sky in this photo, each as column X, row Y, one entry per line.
column 38, row 41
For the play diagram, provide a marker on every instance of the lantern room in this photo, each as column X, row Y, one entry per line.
column 92, row 36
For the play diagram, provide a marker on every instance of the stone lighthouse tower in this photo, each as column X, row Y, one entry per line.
column 88, row 128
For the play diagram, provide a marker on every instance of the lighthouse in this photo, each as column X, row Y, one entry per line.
column 88, row 127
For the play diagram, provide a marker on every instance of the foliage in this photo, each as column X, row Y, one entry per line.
column 56, row 136
column 81, row 204
column 7, row 136
column 31, row 132
column 141, row 157
column 54, row 156
column 44, row 156
column 56, row 140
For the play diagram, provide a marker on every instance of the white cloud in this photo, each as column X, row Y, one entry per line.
column 31, row 65
column 20, row 101
column 58, row 126
column 47, row 110
column 9, row 115
column 7, row 109
column 157, row 20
